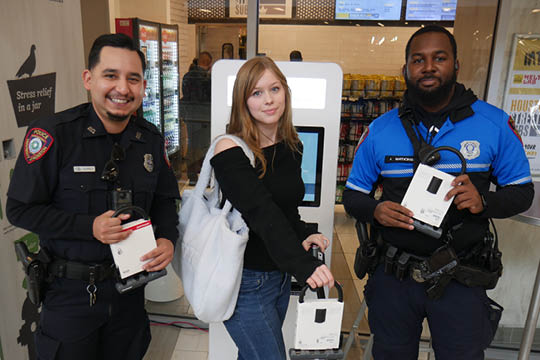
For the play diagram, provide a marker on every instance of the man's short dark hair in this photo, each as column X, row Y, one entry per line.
column 114, row 40
column 206, row 53
column 428, row 29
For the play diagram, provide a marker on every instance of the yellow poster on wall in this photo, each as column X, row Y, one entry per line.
column 522, row 94
column 527, row 54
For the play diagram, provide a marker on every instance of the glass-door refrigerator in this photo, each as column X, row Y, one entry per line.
column 169, row 75
column 159, row 43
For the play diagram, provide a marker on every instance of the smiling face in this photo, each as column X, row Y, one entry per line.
column 266, row 102
column 116, row 84
column 431, row 70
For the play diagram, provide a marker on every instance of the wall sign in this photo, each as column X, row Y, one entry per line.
column 522, row 95
column 32, row 96
column 267, row 8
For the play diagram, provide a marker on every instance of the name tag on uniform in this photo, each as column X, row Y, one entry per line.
column 84, row 169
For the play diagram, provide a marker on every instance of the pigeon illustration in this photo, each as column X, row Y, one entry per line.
column 29, row 64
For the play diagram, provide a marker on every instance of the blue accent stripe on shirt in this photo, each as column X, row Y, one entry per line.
column 397, row 172
column 357, row 188
column 458, row 166
column 520, row 181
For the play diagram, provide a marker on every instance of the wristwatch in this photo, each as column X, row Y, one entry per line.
column 484, row 203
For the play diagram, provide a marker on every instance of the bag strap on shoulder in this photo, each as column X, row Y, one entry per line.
column 206, row 176
column 238, row 141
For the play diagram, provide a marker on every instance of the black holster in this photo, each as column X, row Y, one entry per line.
column 482, row 266
column 367, row 254
column 35, row 268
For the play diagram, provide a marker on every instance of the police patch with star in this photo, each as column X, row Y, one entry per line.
column 36, row 144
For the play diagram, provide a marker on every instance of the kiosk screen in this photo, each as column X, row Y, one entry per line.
column 312, row 138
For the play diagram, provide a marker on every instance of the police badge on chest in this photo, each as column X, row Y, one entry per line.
column 148, row 162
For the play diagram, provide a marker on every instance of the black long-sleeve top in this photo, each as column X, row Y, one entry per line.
column 270, row 208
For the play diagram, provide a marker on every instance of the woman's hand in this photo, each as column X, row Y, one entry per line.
column 321, row 277
column 316, row 239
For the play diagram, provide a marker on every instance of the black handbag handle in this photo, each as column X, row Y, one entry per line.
column 336, row 284
column 137, row 280
column 127, row 208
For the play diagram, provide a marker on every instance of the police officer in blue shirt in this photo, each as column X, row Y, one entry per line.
column 400, row 292
column 74, row 168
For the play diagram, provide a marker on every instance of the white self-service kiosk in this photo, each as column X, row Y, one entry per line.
column 316, row 103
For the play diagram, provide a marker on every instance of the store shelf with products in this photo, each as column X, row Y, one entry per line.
column 365, row 97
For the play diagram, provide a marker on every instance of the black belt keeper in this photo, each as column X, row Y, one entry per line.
column 402, row 268
column 79, row 271
column 390, row 254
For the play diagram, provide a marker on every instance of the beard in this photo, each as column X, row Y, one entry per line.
column 431, row 97
column 116, row 117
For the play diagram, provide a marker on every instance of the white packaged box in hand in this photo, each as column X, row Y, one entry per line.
column 127, row 253
column 425, row 195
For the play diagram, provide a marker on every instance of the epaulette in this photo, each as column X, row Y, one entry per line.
column 147, row 125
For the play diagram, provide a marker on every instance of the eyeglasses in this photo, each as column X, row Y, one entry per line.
column 111, row 170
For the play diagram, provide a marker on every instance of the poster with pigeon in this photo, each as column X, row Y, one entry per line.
column 32, row 96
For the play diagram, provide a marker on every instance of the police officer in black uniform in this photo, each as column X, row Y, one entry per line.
column 195, row 110
column 421, row 273
column 73, row 169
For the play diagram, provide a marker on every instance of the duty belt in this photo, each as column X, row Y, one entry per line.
column 398, row 262
column 80, row 271
column 437, row 270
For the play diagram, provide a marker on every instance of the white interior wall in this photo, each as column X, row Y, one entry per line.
column 353, row 48
column 155, row 10
column 56, row 30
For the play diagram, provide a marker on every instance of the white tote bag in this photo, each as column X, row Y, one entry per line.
column 210, row 256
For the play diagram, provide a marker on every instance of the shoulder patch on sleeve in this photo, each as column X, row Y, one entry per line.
column 362, row 138
column 513, row 128
column 36, row 144
column 165, row 156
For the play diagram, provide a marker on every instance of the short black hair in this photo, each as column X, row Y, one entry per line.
column 295, row 55
column 206, row 53
column 114, row 40
column 428, row 29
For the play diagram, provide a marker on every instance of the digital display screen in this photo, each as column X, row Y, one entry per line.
column 368, row 9
column 312, row 139
column 434, row 10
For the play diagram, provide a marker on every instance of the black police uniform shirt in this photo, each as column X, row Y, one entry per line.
column 56, row 189
column 493, row 152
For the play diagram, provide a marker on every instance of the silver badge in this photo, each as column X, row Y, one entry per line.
column 91, row 130
column 138, row 135
column 470, row 149
column 148, row 162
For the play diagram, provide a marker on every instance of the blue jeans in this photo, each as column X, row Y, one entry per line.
column 255, row 325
